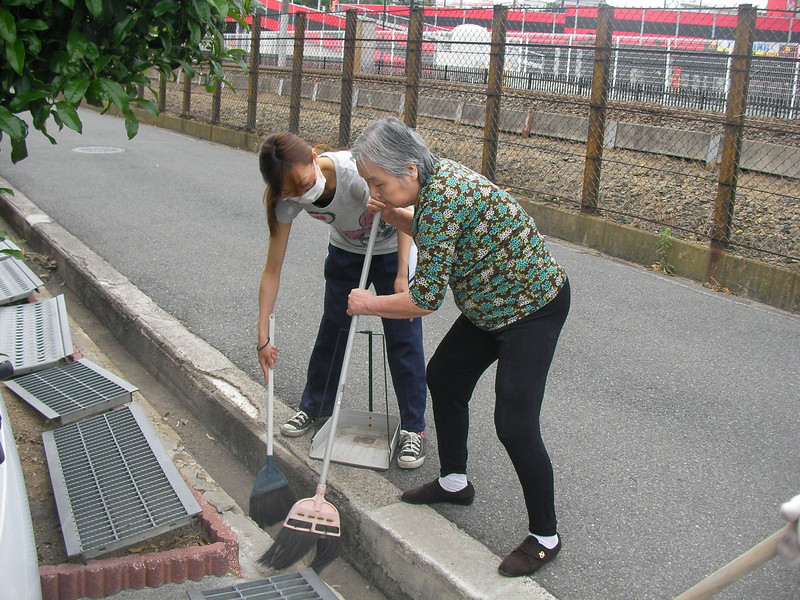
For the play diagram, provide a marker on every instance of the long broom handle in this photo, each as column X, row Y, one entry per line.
column 736, row 569
column 334, row 420
column 270, row 388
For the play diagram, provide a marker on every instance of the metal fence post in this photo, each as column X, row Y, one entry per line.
column 187, row 95
column 216, row 103
column 348, row 68
column 494, row 91
column 597, row 109
column 734, row 125
column 297, row 72
column 413, row 65
column 255, row 61
column 162, row 92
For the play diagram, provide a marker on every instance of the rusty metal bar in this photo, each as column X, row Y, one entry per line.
column 494, row 91
column 216, row 103
column 162, row 92
column 597, row 109
column 348, row 72
column 252, row 80
column 413, row 66
column 186, row 109
column 734, row 125
column 297, row 72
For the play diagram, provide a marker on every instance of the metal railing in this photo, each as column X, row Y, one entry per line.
column 699, row 139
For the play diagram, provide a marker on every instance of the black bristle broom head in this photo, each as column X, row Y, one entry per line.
column 271, row 499
column 329, row 548
column 290, row 545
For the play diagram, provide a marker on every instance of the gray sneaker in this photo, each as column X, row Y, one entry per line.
column 297, row 425
column 411, row 450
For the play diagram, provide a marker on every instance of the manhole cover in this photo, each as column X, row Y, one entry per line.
column 98, row 150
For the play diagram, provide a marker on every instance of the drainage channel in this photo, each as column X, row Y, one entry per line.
column 227, row 471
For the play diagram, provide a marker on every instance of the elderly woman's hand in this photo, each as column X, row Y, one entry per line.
column 357, row 301
column 374, row 206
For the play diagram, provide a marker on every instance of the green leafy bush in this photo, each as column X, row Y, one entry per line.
column 55, row 54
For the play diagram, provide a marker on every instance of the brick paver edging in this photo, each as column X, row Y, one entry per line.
column 101, row 578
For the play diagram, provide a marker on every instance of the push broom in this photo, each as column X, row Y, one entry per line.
column 315, row 519
column 271, row 498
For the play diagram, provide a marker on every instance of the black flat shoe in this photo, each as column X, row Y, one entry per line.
column 432, row 492
column 527, row 558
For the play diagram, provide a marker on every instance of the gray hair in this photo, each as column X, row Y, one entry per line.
column 394, row 146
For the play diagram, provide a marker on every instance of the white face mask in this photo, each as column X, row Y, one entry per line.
column 315, row 192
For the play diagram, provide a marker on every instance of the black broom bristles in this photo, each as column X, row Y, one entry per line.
column 271, row 499
column 290, row 545
column 328, row 549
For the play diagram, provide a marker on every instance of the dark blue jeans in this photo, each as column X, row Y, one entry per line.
column 403, row 340
column 523, row 351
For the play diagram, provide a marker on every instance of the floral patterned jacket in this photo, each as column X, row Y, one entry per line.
column 474, row 237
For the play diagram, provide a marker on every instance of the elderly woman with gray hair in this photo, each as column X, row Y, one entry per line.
column 514, row 298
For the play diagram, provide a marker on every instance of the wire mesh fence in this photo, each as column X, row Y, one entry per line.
column 679, row 120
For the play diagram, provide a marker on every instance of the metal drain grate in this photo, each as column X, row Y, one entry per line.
column 114, row 483
column 17, row 281
column 35, row 335
column 303, row 585
column 72, row 391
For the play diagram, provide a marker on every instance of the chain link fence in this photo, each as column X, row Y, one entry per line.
column 685, row 122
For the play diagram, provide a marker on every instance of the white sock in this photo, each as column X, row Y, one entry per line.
column 548, row 541
column 454, row 482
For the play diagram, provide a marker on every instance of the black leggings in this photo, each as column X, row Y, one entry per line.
column 523, row 351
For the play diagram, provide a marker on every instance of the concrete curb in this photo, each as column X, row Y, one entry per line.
column 407, row 552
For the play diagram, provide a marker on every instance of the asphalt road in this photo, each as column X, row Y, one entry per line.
column 671, row 412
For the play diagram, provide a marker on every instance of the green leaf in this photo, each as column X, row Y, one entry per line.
column 115, row 93
column 15, row 127
column 131, row 123
column 140, row 79
column 76, row 44
column 100, row 64
column 32, row 42
column 75, row 90
column 70, row 4
column 121, row 30
column 148, row 105
column 21, row 101
column 19, row 150
column 15, row 54
column 69, row 116
column 95, row 7
column 32, row 25
column 165, row 6
column 187, row 68
column 8, row 28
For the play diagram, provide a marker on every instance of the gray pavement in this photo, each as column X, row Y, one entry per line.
column 671, row 411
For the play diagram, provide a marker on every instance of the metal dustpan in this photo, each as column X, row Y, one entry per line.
column 363, row 438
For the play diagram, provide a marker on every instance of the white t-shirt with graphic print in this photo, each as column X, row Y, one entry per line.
column 350, row 221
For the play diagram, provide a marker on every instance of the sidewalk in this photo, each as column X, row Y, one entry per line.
column 410, row 552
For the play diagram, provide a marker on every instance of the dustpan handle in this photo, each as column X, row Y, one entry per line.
column 270, row 388
column 334, row 420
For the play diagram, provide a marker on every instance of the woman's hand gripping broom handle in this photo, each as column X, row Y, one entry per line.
column 334, row 421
